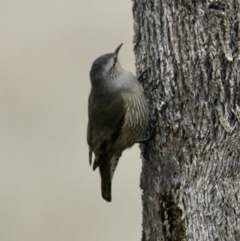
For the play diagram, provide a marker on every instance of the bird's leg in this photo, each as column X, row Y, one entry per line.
column 140, row 77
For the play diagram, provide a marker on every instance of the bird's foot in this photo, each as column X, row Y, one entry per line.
column 146, row 143
column 148, row 139
column 141, row 76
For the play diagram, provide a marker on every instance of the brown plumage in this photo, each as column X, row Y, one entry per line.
column 118, row 115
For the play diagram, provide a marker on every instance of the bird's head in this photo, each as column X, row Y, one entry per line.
column 105, row 67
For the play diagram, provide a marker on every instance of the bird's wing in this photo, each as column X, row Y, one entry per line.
column 106, row 117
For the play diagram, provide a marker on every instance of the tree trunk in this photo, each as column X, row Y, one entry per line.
column 190, row 177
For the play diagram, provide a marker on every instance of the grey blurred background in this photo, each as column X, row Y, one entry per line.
column 47, row 189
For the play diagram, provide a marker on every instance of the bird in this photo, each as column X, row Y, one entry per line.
column 117, row 115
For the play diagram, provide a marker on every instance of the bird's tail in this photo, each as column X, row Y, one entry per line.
column 107, row 169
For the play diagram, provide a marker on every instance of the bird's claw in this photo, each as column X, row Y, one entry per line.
column 140, row 77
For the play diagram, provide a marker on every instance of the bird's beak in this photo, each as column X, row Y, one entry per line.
column 117, row 49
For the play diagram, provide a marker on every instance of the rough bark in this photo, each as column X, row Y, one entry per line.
column 190, row 177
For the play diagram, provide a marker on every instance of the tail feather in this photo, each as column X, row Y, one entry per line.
column 106, row 187
column 90, row 156
column 107, row 169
